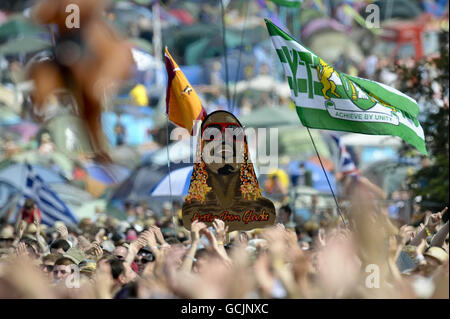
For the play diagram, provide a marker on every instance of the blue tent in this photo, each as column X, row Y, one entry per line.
column 178, row 183
column 16, row 174
column 318, row 177
column 136, row 127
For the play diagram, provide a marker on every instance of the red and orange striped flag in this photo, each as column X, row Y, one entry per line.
column 183, row 104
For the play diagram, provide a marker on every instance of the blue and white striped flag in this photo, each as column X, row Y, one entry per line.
column 346, row 164
column 51, row 206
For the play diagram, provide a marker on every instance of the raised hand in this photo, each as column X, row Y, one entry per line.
column 21, row 230
column 213, row 245
column 159, row 236
column 63, row 232
column 196, row 227
column 420, row 249
column 100, row 234
column 84, row 244
column 405, row 233
column 433, row 220
column 95, row 251
column 21, row 250
column 221, row 230
column 37, row 223
column 321, row 237
column 150, row 239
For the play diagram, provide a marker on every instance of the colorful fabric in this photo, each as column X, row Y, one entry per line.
column 183, row 104
column 332, row 100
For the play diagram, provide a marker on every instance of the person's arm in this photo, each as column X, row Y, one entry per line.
column 214, row 246
column 431, row 222
column 277, row 250
column 221, row 234
column 439, row 238
column 374, row 188
column 18, row 220
column 42, row 245
column 188, row 260
column 63, row 233
column 159, row 236
column 20, row 229
column 133, row 249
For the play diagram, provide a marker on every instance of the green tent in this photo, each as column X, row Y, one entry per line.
column 34, row 157
column 293, row 138
column 18, row 25
column 70, row 135
column 270, row 117
column 26, row 44
column 142, row 44
column 296, row 143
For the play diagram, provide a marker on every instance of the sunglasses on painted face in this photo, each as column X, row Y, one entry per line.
column 233, row 130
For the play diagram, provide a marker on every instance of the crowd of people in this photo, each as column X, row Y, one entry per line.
column 363, row 255
column 360, row 249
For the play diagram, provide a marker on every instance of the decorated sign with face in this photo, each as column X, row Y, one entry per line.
column 223, row 182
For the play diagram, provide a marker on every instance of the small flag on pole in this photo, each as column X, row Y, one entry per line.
column 346, row 164
column 183, row 106
column 51, row 206
column 332, row 100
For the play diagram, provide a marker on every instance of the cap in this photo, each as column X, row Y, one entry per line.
column 438, row 253
column 6, row 233
column 75, row 254
column 108, row 245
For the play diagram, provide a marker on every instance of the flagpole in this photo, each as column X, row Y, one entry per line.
column 224, row 44
column 233, row 105
column 168, row 168
column 326, row 176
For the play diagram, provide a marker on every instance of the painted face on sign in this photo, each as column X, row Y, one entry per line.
column 223, row 183
column 223, row 139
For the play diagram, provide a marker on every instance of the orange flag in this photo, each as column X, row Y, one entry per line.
column 183, row 104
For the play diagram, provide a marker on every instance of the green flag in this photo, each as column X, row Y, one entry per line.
column 332, row 100
column 288, row 3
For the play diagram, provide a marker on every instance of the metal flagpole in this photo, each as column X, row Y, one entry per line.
column 158, row 57
column 233, row 105
column 328, row 181
column 168, row 168
column 224, row 44
column 157, row 51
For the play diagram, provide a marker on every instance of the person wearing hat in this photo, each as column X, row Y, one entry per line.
column 75, row 254
column 64, row 267
column 435, row 256
column 6, row 237
column 48, row 263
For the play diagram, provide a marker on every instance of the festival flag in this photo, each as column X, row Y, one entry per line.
column 288, row 3
column 332, row 100
column 52, row 207
column 346, row 164
column 183, row 106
